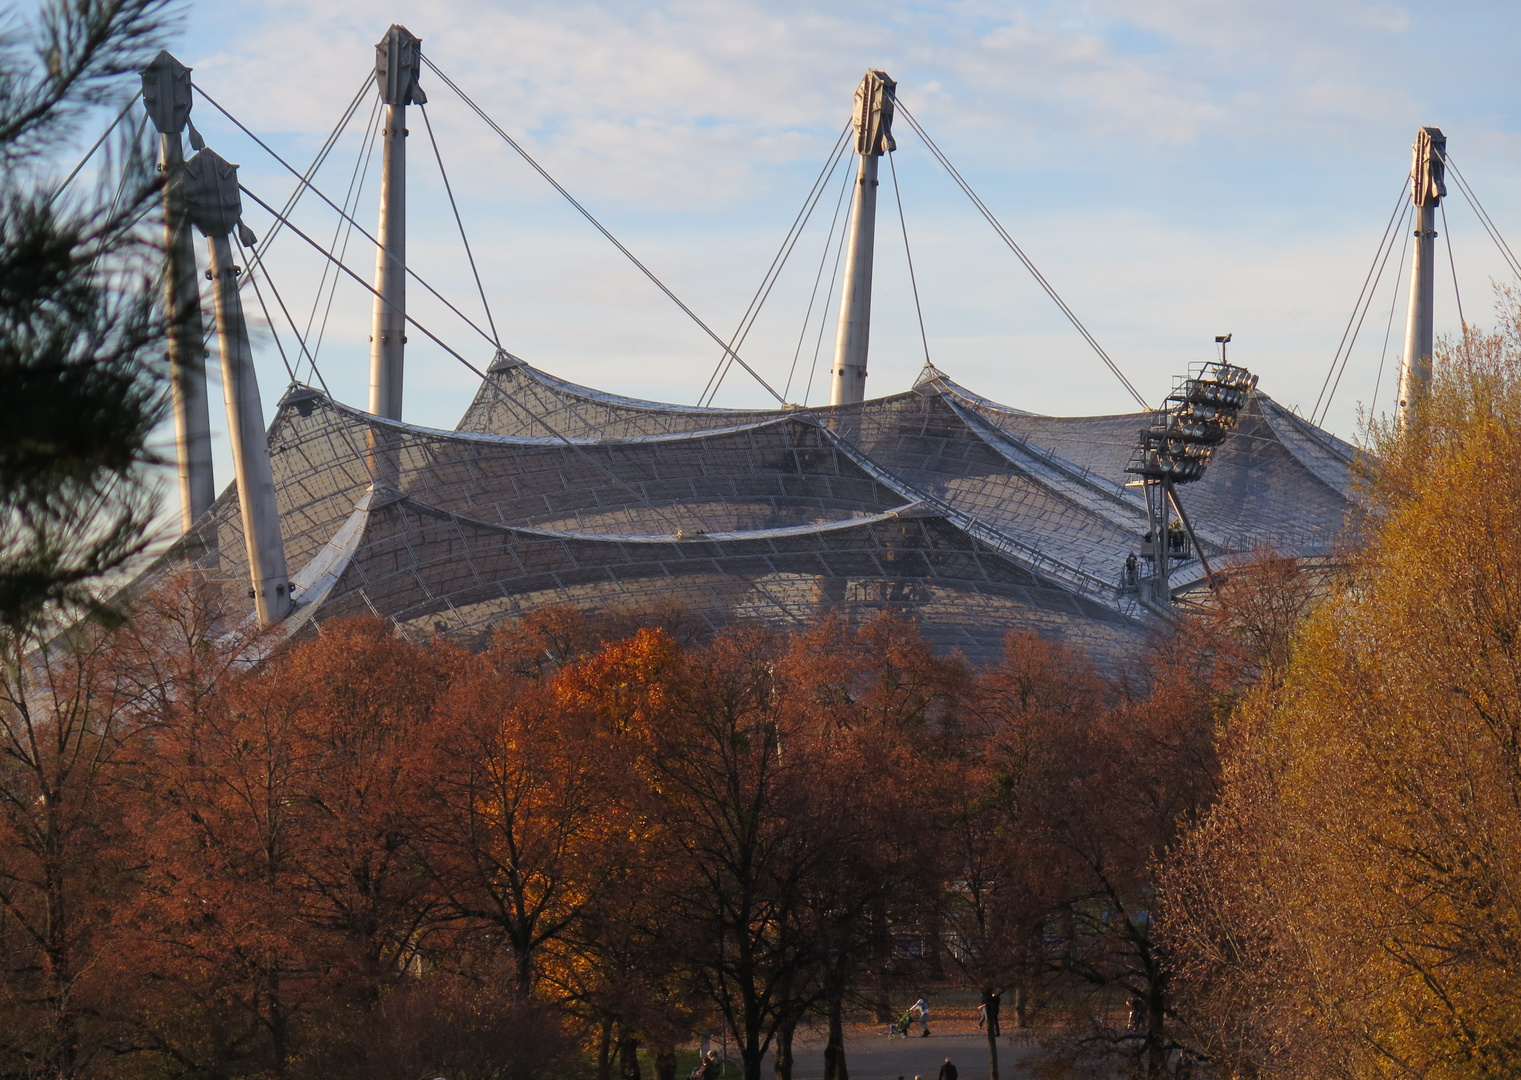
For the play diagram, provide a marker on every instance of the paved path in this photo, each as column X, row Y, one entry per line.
column 871, row 1055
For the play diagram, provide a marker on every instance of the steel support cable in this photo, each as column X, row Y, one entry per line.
column 645, row 270
column 270, row 322
column 1394, row 301
column 1380, row 255
column 431, row 336
column 91, row 151
column 1484, row 219
column 304, row 179
column 448, row 190
column 725, row 362
column 834, row 276
column 789, row 242
column 348, row 436
column 342, row 227
column 908, row 254
column 121, row 187
column 1366, row 308
column 818, row 277
column 257, row 262
column 349, row 218
column 768, row 279
column 317, row 161
column 1453, row 266
column 1019, row 253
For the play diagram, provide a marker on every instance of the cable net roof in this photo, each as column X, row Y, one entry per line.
column 971, row 517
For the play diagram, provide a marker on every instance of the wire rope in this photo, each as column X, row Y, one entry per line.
column 269, row 322
column 458, row 221
column 1453, row 266
column 303, row 179
column 1358, row 330
column 768, row 279
column 818, row 277
column 352, row 195
column 357, row 227
column 1394, row 301
column 91, row 151
column 908, row 254
column 257, row 261
column 645, row 270
column 1380, row 255
column 1484, row 219
column 724, row 361
column 317, row 161
column 834, row 276
column 471, row 367
column 1019, row 253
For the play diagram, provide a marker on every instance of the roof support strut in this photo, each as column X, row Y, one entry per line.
column 1427, row 188
column 211, row 188
column 873, row 123
column 397, row 59
column 167, row 96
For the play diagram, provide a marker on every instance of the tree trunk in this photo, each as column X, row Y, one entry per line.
column 784, row 1049
column 990, row 1005
column 834, row 1049
column 1156, row 1034
column 750, row 1050
column 881, row 959
column 628, row 1056
column 605, row 1051
column 665, row 1063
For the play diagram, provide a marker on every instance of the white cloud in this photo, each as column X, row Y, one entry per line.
column 1176, row 167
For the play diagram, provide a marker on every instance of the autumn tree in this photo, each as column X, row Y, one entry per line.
column 524, row 811
column 67, row 722
column 284, row 894
column 1343, row 912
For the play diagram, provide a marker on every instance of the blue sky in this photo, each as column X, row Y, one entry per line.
column 1176, row 168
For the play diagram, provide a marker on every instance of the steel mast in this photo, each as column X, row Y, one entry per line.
column 214, row 204
column 397, row 58
column 1427, row 188
column 873, row 124
column 167, row 97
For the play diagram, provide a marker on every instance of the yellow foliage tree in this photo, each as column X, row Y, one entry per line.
column 1352, row 906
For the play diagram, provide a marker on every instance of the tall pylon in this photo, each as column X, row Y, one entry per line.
column 398, row 57
column 215, row 206
column 167, row 96
column 1427, row 188
column 873, row 124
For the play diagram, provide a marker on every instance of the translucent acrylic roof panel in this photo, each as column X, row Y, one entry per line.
column 436, row 572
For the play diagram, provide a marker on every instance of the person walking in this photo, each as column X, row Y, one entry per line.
column 947, row 1071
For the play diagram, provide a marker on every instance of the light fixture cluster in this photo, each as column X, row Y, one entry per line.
column 1194, row 419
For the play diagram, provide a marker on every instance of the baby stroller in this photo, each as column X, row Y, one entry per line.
column 899, row 1030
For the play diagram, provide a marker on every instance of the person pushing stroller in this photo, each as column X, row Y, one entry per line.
column 917, row 1012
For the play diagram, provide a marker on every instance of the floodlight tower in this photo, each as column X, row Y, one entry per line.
column 398, row 57
column 873, row 124
column 1427, row 188
column 215, row 206
column 167, row 97
column 1175, row 448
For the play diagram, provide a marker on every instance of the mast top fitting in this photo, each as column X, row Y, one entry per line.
column 398, row 61
column 1428, row 167
column 166, row 93
column 874, row 114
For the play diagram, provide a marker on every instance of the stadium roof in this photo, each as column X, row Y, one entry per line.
column 971, row 517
